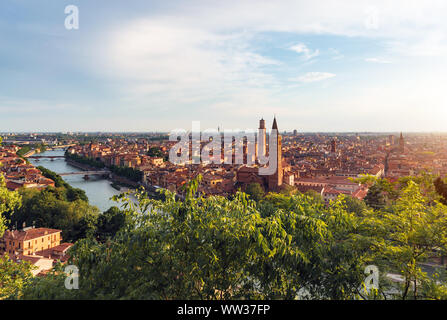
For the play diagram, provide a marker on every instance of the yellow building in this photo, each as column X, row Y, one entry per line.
column 30, row 240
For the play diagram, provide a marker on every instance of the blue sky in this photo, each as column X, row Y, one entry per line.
column 151, row 65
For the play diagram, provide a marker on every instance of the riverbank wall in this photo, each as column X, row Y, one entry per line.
column 113, row 177
column 81, row 166
column 123, row 180
column 30, row 153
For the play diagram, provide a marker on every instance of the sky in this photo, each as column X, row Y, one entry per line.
column 323, row 66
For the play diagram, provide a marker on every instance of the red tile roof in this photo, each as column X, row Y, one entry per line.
column 30, row 233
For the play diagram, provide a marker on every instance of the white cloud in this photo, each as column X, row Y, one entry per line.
column 378, row 60
column 388, row 19
column 202, row 49
column 411, row 27
column 314, row 77
column 432, row 45
column 200, row 55
column 305, row 51
column 336, row 54
column 183, row 63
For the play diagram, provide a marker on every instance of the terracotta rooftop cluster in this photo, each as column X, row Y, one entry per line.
column 18, row 173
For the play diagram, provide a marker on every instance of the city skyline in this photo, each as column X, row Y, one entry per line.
column 287, row 131
column 340, row 66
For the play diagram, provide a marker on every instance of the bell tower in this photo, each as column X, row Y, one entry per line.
column 401, row 143
column 275, row 180
column 261, row 137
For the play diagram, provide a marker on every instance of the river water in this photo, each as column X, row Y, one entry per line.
column 98, row 190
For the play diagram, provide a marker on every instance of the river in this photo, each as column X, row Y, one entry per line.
column 98, row 190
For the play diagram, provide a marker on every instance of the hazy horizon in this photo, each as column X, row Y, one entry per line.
column 281, row 131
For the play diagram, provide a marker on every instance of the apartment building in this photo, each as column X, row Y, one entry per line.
column 42, row 247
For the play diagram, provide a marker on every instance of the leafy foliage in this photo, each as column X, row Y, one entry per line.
column 130, row 173
column 155, row 152
column 109, row 223
column 84, row 160
column 380, row 194
column 285, row 246
column 49, row 208
column 13, row 276
column 70, row 193
column 9, row 201
column 255, row 191
column 441, row 189
column 406, row 235
column 214, row 248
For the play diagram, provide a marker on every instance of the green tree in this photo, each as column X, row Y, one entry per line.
column 109, row 223
column 127, row 172
column 84, row 160
column 155, row 152
column 355, row 205
column 287, row 247
column 13, row 276
column 381, row 191
column 376, row 197
column 427, row 185
column 315, row 195
column 334, row 259
column 255, row 191
column 441, row 189
column 49, row 208
column 48, row 287
column 409, row 233
column 69, row 193
column 9, row 201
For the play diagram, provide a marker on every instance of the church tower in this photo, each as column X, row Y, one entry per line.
column 401, row 143
column 262, row 127
column 333, row 146
column 275, row 180
column 261, row 136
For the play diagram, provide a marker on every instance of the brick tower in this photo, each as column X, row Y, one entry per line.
column 401, row 143
column 262, row 133
column 275, row 180
column 333, row 146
